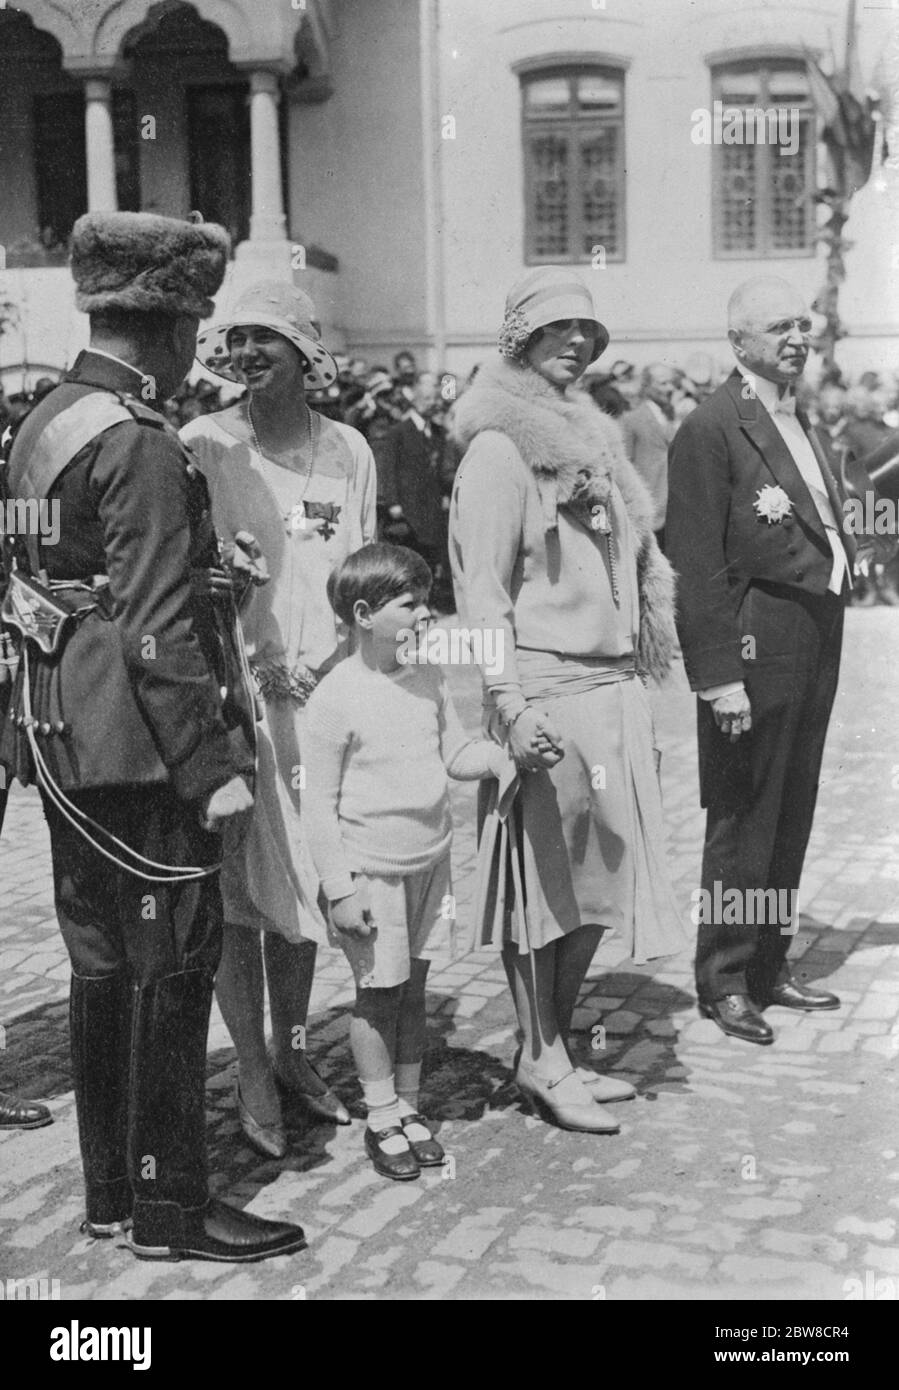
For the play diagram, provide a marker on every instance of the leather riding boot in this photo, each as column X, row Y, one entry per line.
column 167, row 1118
column 174, row 1216
column 100, row 1014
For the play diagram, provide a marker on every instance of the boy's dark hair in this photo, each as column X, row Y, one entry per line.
column 376, row 573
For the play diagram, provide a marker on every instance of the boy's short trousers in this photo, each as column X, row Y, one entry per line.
column 415, row 920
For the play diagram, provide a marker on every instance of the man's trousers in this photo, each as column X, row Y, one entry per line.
column 144, row 956
column 760, row 791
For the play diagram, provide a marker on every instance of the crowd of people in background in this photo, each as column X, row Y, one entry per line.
column 406, row 416
column 601, row 536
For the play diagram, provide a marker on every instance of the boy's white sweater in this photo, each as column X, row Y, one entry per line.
column 377, row 748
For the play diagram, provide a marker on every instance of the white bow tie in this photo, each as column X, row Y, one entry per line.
column 785, row 406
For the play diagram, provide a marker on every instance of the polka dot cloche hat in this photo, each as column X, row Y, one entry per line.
column 278, row 305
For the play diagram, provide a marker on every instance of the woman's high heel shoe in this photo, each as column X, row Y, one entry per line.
column 566, row 1102
column 270, row 1140
column 605, row 1089
column 322, row 1102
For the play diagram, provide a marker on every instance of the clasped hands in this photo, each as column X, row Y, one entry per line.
column 534, row 742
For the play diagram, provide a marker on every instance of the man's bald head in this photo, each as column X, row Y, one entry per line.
column 769, row 328
column 764, row 297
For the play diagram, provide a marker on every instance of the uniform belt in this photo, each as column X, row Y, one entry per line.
column 93, row 588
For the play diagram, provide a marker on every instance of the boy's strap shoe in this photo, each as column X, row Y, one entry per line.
column 427, row 1152
column 402, row 1167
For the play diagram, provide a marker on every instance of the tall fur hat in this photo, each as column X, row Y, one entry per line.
column 143, row 263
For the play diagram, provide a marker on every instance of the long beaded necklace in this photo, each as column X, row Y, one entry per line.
column 295, row 519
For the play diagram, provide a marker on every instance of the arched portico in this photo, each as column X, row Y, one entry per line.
column 123, row 20
column 95, row 31
column 263, row 46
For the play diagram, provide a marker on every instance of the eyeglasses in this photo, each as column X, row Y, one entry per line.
column 785, row 326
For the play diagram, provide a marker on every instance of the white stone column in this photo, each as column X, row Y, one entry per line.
column 266, row 253
column 101, row 189
column 267, row 222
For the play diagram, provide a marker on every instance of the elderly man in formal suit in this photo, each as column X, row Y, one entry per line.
column 648, row 430
column 754, row 530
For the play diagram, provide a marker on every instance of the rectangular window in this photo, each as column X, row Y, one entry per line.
column 762, row 198
column 60, row 165
column 218, row 123
column 127, row 150
column 573, row 131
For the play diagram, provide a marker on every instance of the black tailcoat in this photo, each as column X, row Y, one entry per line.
column 753, row 606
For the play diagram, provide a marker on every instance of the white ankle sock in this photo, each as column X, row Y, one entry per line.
column 408, row 1081
column 408, row 1077
column 384, row 1112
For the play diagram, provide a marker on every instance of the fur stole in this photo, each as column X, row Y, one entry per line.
column 575, row 453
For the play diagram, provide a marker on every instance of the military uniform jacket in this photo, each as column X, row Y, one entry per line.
column 142, row 683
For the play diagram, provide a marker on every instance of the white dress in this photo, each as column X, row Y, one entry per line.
column 291, row 634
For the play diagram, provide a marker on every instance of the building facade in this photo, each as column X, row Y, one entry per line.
column 405, row 160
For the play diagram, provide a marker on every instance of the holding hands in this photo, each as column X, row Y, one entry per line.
column 534, row 741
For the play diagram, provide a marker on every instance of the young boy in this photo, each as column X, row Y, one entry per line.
column 381, row 735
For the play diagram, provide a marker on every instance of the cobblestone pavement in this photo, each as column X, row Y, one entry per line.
column 740, row 1172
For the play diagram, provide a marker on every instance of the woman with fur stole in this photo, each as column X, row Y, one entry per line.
column 553, row 552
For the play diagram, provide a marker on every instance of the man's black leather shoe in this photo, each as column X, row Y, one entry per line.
column 738, row 1016
column 22, row 1114
column 792, row 995
column 164, row 1231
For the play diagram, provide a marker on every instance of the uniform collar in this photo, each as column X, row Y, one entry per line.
column 95, row 368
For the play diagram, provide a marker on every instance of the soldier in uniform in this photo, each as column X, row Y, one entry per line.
column 137, row 731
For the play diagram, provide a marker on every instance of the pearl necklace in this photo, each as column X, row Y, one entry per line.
column 295, row 519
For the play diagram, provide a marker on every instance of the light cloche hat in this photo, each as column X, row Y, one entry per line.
column 547, row 294
column 278, row 305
